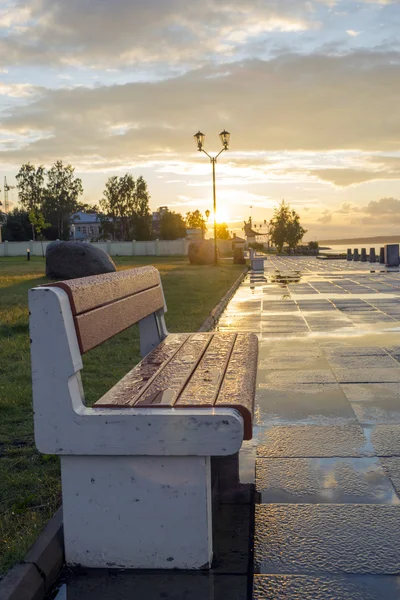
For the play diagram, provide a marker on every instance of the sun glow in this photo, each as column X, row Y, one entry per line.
column 222, row 216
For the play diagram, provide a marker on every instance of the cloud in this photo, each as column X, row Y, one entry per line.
column 17, row 90
column 290, row 103
column 325, row 218
column 124, row 32
column 346, row 177
column 353, row 33
column 384, row 206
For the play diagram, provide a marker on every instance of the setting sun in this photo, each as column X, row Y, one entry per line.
column 222, row 216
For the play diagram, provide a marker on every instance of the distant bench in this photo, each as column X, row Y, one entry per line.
column 136, row 468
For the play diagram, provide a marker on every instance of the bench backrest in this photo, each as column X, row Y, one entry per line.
column 104, row 305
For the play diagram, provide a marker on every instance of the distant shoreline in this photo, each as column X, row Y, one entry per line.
column 388, row 239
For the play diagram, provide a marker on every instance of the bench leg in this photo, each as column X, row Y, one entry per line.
column 138, row 512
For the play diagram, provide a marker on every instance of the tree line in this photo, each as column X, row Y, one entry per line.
column 49, row 198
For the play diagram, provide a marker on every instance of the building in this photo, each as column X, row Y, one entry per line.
column 194, row 235
column 156, row 220
column 250, row 233
column 85, row 226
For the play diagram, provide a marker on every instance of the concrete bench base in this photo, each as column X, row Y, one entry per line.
column 137, row 511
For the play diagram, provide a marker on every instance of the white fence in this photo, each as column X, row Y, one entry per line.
column 151, row 248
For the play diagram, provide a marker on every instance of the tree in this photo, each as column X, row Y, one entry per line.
column 222, row 232
column 17, row 227
column 126, row 208
column 285, row 227
column 61, row 197
column 30, row 185
column 172, row 226
column 38, row 223
column 195, row 220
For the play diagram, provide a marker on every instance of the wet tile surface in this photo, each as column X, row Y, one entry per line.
column 313, row 441
column 152, row 585
column 327, row 538
column 305, row 587
column 324, row 480
column 327, row 435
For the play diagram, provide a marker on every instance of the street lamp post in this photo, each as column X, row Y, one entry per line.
column 224, row 137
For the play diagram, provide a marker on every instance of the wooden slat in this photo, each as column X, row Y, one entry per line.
column 238, row 387
column 127, row 390
column 88, row 293
column 204, row 385
column 100, row 324
column 166, row 387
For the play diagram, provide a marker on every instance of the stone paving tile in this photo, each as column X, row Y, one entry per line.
column 324, row 480
column 375, row 375
column 232, row 539
column 327, row 538
column 339, row 350
column 310, row 441
column 384, row 410
column 392, row 468
column 291, row 379
column 306, row 587
column 385, row 439
column 153, row 585
column 363, row 362
column 370, row 392
column 314, row 404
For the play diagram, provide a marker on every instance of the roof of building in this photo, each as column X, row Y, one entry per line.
column 83, row 217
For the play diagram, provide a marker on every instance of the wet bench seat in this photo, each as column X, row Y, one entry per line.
column 136, row 471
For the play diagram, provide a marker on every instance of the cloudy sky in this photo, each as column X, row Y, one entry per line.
column 310, row 91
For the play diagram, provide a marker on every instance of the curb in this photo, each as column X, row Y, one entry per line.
column 212, row 319
column 35, row 575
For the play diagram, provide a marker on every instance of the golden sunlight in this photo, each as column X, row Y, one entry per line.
column 222, row 215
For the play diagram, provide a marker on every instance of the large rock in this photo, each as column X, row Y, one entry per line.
column 70, row 260
column 201, row 253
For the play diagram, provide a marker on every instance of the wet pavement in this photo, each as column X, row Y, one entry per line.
column 326, row 452
column 325, row 458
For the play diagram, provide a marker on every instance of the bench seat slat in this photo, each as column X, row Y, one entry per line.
column 168, row 384
column 193, row 370
column 204, row 385
column 238, row 387
column 127, row 390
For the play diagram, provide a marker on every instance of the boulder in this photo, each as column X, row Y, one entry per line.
column 201, row 253
column 238, row 256
column 70, row 260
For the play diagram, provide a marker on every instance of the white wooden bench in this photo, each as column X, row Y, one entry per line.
column 136, row 482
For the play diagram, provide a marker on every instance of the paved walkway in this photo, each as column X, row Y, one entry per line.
column 326, row 454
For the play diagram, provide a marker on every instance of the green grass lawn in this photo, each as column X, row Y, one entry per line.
column 30, row 482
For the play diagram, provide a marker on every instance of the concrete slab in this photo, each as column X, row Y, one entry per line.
column 306, row 587
column 313, row 404
column 385, row 439
column 385, row 410
column 153, row 585
column 391, row 466
column 308, row 441
column 324, row 480
column 327, row 538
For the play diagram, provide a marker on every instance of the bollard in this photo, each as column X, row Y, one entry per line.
column 28, row 254
column 363, row 254
column 356, row 256
column 392, row 255
column 382, row 256
column 372, row 255
column 349, row 254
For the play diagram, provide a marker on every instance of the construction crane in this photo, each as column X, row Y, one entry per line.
column 7, row 188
